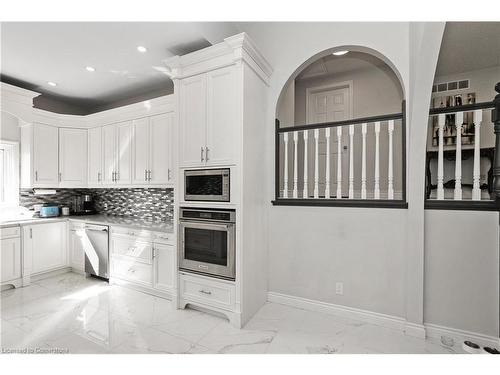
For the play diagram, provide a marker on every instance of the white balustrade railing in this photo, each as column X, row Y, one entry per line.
column 455, row 141
column 362, row 160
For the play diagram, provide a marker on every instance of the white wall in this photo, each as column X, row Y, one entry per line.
column 9, row 127
column 310, row 248
column 461, row 270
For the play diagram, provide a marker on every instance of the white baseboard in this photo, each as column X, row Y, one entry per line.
column 415, row 330
column 385, row 320
column 459, row 335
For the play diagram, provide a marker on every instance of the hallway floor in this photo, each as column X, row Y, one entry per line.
column 69, row 313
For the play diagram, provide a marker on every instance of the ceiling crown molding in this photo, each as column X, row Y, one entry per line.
column 233, row 50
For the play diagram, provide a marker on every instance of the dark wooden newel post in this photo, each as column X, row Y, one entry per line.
column 495, row 118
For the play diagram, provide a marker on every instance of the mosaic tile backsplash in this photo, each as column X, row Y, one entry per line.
column 146, row 204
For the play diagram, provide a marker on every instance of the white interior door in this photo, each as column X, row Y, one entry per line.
column 140, row 151
column 329, row 105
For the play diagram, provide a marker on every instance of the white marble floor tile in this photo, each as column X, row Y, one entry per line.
column 15, row 296
column 192, row 327
column 224, row 338
column 71, row 313
column 150, row 341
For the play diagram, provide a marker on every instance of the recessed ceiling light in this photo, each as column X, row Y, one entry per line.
column 90, row 68
column 142, row 49
column 50, row 83
column 340, row 53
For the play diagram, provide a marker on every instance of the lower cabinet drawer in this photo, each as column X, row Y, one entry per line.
column 10, row 232
column 209, row 291
column 133, row 248
column 132, row 271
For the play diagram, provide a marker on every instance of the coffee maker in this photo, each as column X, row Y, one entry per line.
column 83, row 205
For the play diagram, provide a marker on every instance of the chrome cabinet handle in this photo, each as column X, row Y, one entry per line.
column 36, row 175
column 206, row 153
column 205, row 291
column 202, row 159
column 169, row 178
column 60, row 176
column 31, row 232
column 98, row 176
column 145, row 175
column 113, row 176
column 149, row 175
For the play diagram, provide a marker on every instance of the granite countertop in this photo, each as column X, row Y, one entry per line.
column 123, row 221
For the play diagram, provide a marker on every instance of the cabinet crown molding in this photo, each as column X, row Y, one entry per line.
column 232, row 50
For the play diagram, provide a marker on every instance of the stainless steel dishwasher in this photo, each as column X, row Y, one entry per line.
column 97, row 251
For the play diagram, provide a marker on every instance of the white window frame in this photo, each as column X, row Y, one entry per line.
column 11, row 171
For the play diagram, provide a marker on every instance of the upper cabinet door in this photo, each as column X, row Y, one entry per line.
column 140, row 151
column 192, row 120
column 161, row 133
column 45, row 156
column 72, row 157
column 124, row 153
column 95, row 157
column 222, row 125
column 109, row 154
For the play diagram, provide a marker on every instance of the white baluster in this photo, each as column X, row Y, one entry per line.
column 339, row 162
column 440, row 172
column 363, row 162
column 327, row 171
column 295, row 163
column 351, row 161
column 476, row 188
column 305, row 193
column 390, row 173
column 459, row 120
column 316, row 163
column 285, row 177
column 376, row 190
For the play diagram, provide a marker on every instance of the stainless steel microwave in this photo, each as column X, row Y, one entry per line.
column 207, row 185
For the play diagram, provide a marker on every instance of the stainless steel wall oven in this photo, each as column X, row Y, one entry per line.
column 207, row 241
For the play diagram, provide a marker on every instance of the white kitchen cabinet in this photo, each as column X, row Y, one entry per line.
column 222, row 106
column 164, row 267
column 208, row 107
column 72, row 157
column 45, row 246
column 77, row 239
column 10, row 259
column 117, row 152
column 152, row 150
column 109, row 154
column 193, row 119
column 45, row 155
column 95, row 157
column 140, row 150
column 124, row 153
column 161, row 162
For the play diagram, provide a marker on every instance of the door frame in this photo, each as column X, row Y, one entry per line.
column 328, row 87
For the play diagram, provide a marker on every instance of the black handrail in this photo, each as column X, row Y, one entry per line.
column 461, row 108
column 323, row 125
